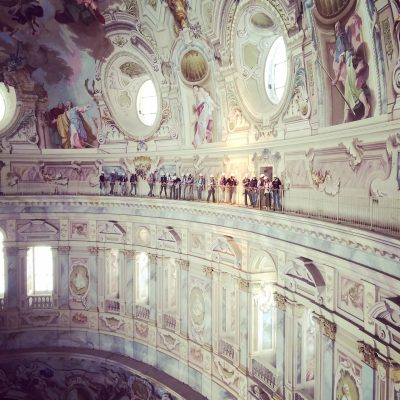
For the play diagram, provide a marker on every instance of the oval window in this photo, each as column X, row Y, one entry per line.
column 276, row 71
column 2, row 107
column 147, row 104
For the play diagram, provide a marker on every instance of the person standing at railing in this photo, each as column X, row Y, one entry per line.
column 261, row 189
column 133, row 181
column 177, row 186
column 102, row 182
column 113, row 179
column 184, row 186
column 276, row 187
column 268, row 188
column 163, row 184
column 151, row 180
column 171, row 187
column 201, row 183
column 190, row 184
column 231, row 184
column 123, row 180
column 222, row 187
column 212, row 183
column 253, row 190
column 246, row 190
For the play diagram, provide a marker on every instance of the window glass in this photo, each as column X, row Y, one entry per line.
column 147, row 103
column 2, row 107
column 39, row 270
column 2, row 272
column 276, row 71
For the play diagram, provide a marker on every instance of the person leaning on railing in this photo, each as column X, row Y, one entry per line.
column 268, row 189
column 253, row 190
column 261, row 188
column 246, row 190
column 222, row 186
column 190, row 184
column 212, row 183
column 231, row 184
column 276, row 188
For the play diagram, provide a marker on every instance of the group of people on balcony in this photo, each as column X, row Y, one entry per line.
column 258, row 192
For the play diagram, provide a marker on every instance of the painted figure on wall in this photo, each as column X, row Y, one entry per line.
column 346, row 388
column 74, row 131
column 204, row 107
column 351, row 68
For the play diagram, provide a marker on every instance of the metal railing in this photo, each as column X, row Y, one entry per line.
column 381, row 214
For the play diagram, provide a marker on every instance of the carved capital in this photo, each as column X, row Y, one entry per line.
column 11, row 251
column 130, row 253
column 208, row 271
column 243, row 284
column 94, row 251
column 280, row 301
column 153, row 258
column 369, row 354
column 64, row 249
column 183, row 264
column 327, row 328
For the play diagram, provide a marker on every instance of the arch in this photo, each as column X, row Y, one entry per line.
column 227, row 251
column 262, row 261
column 303, row 276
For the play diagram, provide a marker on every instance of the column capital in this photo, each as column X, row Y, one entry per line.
column 11, row 251
column 208, row 271
column 243, row 284
column 280, row 301
column 369, row 354
column 328, row 328
column 129, row 253
column 153, row 257
column 94, row 251
column 184, row 264
column 64, row 249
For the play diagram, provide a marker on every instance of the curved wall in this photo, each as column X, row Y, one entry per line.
column 239, row 305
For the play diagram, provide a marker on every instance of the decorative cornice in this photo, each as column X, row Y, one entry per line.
column 280, row 301
column 328, row 328
column 11, row 251
column 369, row 354
column 367, row 242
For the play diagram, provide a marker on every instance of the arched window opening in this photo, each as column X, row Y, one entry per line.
column 147, row 103
column 39, row 271
column 275, row 73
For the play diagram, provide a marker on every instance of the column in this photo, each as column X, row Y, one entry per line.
column 184, row 297
column 290, row 349
column 13, row 274
column 127, row 281
column 92, row 296
column 325, row 352
column 244, row 313
column 154, row 287
column 280, row 303
column 369, row 358
column 208, row 323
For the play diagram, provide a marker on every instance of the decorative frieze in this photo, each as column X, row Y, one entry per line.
column 280, row 301
column 369, row 354
column 130, row 253
column 328, row 328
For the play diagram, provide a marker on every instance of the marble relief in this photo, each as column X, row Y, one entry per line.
column 351, row 296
